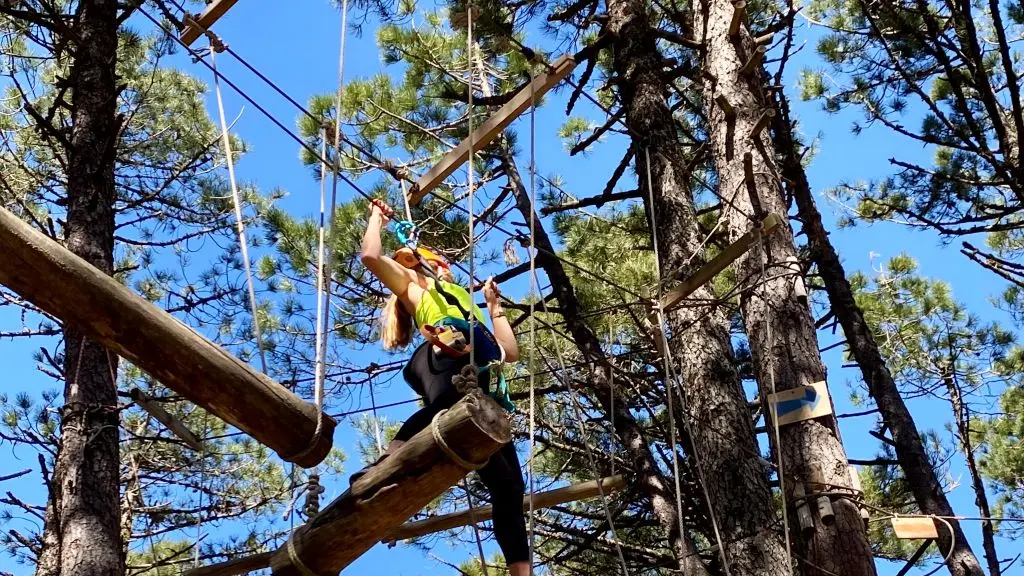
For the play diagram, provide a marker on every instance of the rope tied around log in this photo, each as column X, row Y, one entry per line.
column 435, row 430
column 293, row 557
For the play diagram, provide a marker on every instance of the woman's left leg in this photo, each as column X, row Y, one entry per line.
column 504, row 479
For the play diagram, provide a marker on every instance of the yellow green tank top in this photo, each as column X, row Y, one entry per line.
column 433, row 307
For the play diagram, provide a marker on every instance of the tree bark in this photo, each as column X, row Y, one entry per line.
column 724, row 446
column 910, row 451
column 778, row 323
column 87, row 503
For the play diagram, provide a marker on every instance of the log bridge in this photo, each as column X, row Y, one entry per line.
column 57, row 281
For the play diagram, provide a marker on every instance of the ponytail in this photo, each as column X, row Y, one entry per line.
column 396, row 325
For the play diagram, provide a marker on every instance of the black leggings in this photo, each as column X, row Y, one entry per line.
column 430, row 375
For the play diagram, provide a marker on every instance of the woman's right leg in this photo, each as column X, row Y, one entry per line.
column 504, row 479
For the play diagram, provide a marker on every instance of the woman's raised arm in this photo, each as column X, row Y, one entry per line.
column 393, row 275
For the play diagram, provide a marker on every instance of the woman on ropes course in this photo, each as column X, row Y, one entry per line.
column 422, row 293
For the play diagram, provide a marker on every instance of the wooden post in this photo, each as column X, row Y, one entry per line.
column 213, row 12
column 398, row 487
column 491, row 128
column 739, row 12
column 51, row 277
column 718, row 263
column 803, row 511
column 548, row 499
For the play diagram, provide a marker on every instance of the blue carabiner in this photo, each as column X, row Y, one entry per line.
column 406, row 233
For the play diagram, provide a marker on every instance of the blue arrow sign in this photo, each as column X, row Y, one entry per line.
column 809, row 400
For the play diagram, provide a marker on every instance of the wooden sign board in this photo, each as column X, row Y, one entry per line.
column 907, row 528
column 801, row 403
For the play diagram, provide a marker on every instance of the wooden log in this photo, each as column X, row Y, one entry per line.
column 213, row 12
column 51, row 277
column 718, row 263
column 491, row 128
column 242, row 565
column 392, row 491
column 542, row 500
column 173, row 424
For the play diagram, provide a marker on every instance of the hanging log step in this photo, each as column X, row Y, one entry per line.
column 719, row 263
column 401, row 485
column 492, row 127
column 204, row 21
column 66, row 286
column 573, row 493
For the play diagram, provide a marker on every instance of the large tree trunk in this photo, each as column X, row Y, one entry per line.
column 723, row 444
column 910, row 451
column 778, row 323
column 85, row 478
column 648, row 478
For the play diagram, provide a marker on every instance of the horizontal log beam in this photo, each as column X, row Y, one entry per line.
column 491, row 128
column 59, row 282
column 395, row 489
column 720, row 262
column 583, row 491
column 213, row 12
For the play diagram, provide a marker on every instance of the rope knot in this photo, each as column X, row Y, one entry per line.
column 466, row 381
column 313, row 491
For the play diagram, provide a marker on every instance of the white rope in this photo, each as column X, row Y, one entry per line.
column 469, row 168
column 586, row 442
column 472, row 247
column 769, row 336
column 239, row 222
column 533, row 320
column 670, row 377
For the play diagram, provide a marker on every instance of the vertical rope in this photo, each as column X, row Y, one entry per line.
column 533, row 321
column 775, row 413
column 469, row 168
column 472, row 247
column 321, row 310
column 611, row 387
column 239, row 222
column 376, row 420
column 670, row 378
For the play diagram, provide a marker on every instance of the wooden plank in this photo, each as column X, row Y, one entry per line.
column 542, row 500
column 719, row 262
column 170, row 422
column 392, row 491
column 213, row 12
column 910, row 528
column 491, row 128
column 801, row 403
column 59, row 282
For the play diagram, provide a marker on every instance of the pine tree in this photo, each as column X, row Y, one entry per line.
column 148, row 211
column 942, row 76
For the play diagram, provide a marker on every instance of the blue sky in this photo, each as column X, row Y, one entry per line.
column 298, row 48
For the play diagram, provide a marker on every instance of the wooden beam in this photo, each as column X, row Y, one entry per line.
column 547, row 499
column 395, row 489
column 719, row 262
column 51, row 277
column 170, row 422
column 242, row 565
column 213, row 12
column 491, row 128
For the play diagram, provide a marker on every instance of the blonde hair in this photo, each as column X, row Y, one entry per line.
column 396, row 322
